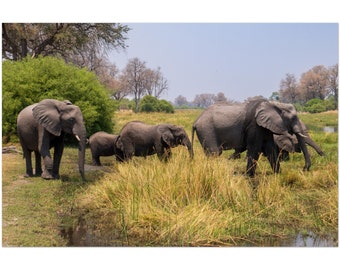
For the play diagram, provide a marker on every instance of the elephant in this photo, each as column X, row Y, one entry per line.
column 103, row 144
column 140, row 139
column 250, row 126
column 282, row 141
column 43, row 125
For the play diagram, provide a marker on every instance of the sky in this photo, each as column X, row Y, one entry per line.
column 239, row 59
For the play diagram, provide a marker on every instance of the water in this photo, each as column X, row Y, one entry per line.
column 83, row 235
column 330, row 129
column 305, row 240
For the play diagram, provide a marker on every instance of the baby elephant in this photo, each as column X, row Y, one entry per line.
column 140, row 139
column 102, row 144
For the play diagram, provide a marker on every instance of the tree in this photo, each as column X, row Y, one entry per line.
column 203, row 100
column 275, row 96
column 158, row 84
column 83, row 44
column 31, row 80
column 220, row 97
column 134, row 79
column 313, row 83
column 289, row 89
column 181, row 101
column 333, row 82
column 138, row 80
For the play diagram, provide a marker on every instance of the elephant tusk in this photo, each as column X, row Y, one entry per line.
column 303, row 136
column 77, row 137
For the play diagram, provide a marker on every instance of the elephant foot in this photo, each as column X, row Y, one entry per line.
column 27, row 175
column 38, row 173
column 46, row 175
column 96, row 164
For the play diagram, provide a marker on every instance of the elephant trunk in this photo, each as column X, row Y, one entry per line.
column 310, row 142
column 80, row 134
column 302, row 144
column 186, row 142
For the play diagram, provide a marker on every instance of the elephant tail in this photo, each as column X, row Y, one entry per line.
column 192, row 139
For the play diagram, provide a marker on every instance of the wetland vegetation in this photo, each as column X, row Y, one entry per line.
column 199, row 202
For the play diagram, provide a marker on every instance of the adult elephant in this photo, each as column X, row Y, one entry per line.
column 250, row 126
column 140, row 139
column 286, row 145
column 103, row 144
column 42, row 126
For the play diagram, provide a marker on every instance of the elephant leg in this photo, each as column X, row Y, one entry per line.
column 212, row 150
column 210, row 146
column 164, row 154
column 38, row 169
column 270, row 151
column 48, row 162
column 236, row 154
column 252, row 158
column 29, row 169
column 58, row 152
column 128, row 152
column 96, row 161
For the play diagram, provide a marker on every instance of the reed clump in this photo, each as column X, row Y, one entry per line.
column 210, row 201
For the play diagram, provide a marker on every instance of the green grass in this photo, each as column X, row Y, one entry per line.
column 200, row 202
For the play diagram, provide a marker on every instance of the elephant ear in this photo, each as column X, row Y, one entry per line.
column 46, row 113
column 167, row 135
column 267, row 116
column 285, row 142
column 118, row 143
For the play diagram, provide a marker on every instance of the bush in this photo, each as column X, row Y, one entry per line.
column 165, row 106
column 152, row 104
column 315, row 105
column 32, row 80
column 149, row 104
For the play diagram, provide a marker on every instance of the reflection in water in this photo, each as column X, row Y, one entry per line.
column 310, row 240
column 83, row 235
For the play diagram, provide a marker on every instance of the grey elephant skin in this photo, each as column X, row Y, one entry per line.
column 282, row 142
column 250, row 126
column 42, row 126
column 103, row 144
column 140, row 139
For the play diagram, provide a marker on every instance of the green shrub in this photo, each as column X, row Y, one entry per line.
column 149, row 104
column 152, row 104
column 315, row 105
column 165, row 106
column 32, row 80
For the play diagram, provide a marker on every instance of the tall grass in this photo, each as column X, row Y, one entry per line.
column 204, row 202
column 184, row 202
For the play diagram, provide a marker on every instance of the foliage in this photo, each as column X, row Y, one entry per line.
column 32, row 80
column 152, row 104
column 165, row 106
column 75, row 42
column 317, row 105
column 317, row 83
column 138, row 80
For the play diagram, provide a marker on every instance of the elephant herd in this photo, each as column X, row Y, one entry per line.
column 258, row 126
